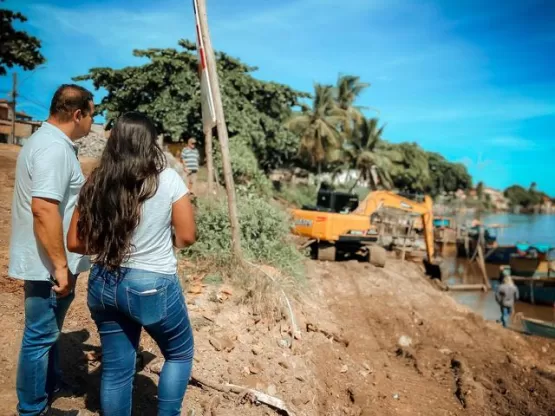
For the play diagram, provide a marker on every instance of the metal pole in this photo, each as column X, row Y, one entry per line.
column 14, row 95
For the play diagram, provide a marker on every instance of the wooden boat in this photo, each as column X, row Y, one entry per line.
column 533, row 272
column 445, row 231
column 537, row 291
column 470, row 237
column 535, row 261
column 539, row 327
column 525, row 260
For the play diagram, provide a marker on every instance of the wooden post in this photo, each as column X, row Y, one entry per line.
column 223, row 137
column 14, row 95
column 209, row 160
column 482, row 264
column 405, row 240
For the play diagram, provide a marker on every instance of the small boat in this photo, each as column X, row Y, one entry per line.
column 533, row 271
column 534, row 261
column 538, row 327
column 537, row 291
column 524, row 260
column 470, row 237
column 445, row 231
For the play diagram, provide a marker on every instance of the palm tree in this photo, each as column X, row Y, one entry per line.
column 362, row 154
column 347, row 90
column 316, row 126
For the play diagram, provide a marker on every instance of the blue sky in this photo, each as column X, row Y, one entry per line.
column 472, row 80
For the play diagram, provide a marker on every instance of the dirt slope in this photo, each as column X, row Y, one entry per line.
column 382, row 342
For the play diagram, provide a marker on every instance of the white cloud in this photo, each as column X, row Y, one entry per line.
column 513, row 142
column 495, row 107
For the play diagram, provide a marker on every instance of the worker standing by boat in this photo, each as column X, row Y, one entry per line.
column 506, row 295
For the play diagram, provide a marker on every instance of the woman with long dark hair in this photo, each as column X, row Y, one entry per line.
column 124, row 220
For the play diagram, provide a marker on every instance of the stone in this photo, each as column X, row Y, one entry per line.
column 255, row 367
column 272, row 390
column 155, row 366
column 256, row 350
column 222, row 343
column 404, row 341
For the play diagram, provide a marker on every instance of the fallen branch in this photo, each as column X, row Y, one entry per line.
column 294, row 326
column 337, row 338
column 256, row 395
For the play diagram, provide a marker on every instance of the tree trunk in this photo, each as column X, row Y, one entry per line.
column 222, row 131
column 356, row 182
column 209, row 160
column 319, row 175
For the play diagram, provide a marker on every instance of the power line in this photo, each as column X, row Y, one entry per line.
column 34, row 102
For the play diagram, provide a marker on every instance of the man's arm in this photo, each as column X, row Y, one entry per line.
column 51, row 173
column 48, row 227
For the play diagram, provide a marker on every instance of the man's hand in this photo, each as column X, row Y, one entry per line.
column 65, row 282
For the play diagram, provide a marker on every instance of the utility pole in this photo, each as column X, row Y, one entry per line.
column 14, row 95
column 221, row 127
column 209, row 160
column 208, row 148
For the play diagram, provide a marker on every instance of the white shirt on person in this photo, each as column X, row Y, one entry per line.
column 47, row 167
column 152, row 247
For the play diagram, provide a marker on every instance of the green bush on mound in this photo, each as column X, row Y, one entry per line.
column 249, row 178
column 298, row 195
column 265, row 233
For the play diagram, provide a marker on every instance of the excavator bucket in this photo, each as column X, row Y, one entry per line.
column 435, row 270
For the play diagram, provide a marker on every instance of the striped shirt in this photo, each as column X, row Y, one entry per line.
column 190, row 158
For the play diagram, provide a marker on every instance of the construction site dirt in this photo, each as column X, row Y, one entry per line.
column 372, row 342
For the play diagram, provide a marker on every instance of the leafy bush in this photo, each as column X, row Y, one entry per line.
column 265, row 233
column 298, row 195
column 248, row 176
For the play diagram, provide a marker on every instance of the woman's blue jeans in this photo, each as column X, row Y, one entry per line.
column 122, row 302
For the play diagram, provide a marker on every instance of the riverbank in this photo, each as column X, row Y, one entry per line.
column 372, row 342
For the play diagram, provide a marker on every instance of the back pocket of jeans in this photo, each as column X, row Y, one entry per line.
column 147, row 307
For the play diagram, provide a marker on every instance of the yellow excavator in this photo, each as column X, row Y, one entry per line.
column 338, row 223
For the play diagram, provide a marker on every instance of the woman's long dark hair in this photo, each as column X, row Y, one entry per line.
column 111, row 199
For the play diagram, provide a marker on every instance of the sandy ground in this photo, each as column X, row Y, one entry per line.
column 381, row 342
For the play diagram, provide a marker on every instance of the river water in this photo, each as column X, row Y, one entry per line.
column 534, row 229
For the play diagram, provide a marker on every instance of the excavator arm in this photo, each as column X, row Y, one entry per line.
column 386, row 199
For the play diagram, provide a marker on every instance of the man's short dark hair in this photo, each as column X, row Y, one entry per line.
column 69, row 98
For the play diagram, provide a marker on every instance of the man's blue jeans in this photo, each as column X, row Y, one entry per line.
column 506, row 312
column 38, row 370
column 122, row 302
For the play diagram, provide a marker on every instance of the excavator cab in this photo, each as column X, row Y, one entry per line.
column 329, row 200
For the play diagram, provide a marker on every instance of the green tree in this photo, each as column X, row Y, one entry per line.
column 480, row 191
column 317, row 127
column 409, row 165
column 347, row 90
column 167, row 89
column 446, row 176
column 518, row 196
column 17, row 48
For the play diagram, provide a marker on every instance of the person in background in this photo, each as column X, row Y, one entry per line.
column 48, row 179
column 506, row 295
column 124, row 219
column 190, row 159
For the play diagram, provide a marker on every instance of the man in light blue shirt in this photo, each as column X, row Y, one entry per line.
column 48, row 179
